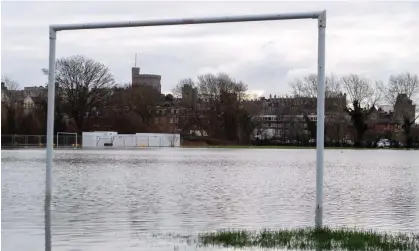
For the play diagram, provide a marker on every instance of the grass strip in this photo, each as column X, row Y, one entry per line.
column 313, row 239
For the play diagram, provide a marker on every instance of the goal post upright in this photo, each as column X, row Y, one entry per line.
column 321, row 57
column 320, row 16
column 50, row 112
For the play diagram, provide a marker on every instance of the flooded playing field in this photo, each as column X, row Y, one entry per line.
column 145, row 199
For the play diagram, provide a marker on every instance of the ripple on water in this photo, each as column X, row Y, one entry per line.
column 109, row 200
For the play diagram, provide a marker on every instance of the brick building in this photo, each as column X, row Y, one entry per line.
column 288, row 117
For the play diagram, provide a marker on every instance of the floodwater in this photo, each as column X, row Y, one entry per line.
column 138, row 199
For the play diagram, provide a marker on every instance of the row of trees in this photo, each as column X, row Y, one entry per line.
column 363, row 94
column 88, row 98
column 221, row 113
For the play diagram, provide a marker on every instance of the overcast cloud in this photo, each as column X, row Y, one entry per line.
column 375, row 39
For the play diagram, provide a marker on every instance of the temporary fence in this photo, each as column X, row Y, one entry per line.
column 92, row 140
column 118, row 141
column 39, row 141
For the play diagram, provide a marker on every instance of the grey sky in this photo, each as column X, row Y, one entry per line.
column 375, row 39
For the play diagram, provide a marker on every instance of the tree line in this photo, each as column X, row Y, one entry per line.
column 364, row 94
column 89, row 98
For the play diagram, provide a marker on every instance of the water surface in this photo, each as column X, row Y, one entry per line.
column 132, row 200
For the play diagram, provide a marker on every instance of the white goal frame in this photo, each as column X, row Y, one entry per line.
column 320, row 16
column 66, row 133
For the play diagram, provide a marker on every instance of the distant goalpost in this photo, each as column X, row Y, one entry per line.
column 320, row 16
column 65, row 133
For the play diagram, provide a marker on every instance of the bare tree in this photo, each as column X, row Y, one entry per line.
column 192, row 120
column 216, row 85
column 219, row 112
column 363, row 95
column 116, row 114
column 10, row 90
column 9, row 83
column 224, row 96
column 186, row 93
column 247, row 121
column 307, row 86
column 360, row 89
column 186, row 97
column 402, row 91
column 85, row 86
column 406, row 114
column 305, row 91
column 12, row 111
column 178, row 91
column 139, row 103
column 404, row 83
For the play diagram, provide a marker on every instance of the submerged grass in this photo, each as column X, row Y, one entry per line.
column 313, row 239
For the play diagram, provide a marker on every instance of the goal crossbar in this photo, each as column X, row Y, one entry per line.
column 320, row 16
column 185, row 21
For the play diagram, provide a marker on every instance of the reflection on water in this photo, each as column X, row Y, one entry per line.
column 132, row 200
column 47, row 223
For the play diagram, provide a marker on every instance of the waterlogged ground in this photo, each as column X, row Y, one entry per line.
column 161, row 199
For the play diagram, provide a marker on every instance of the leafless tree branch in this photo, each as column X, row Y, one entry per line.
column 361, row 90
column 85, row 85
column 307, row 86
column 403, row 83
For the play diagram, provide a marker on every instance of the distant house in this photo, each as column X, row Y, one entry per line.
column 389, row 120
column 285, row 117
column 29, row 98
column 36, row 91
column 381, row 121
column 31, row 103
